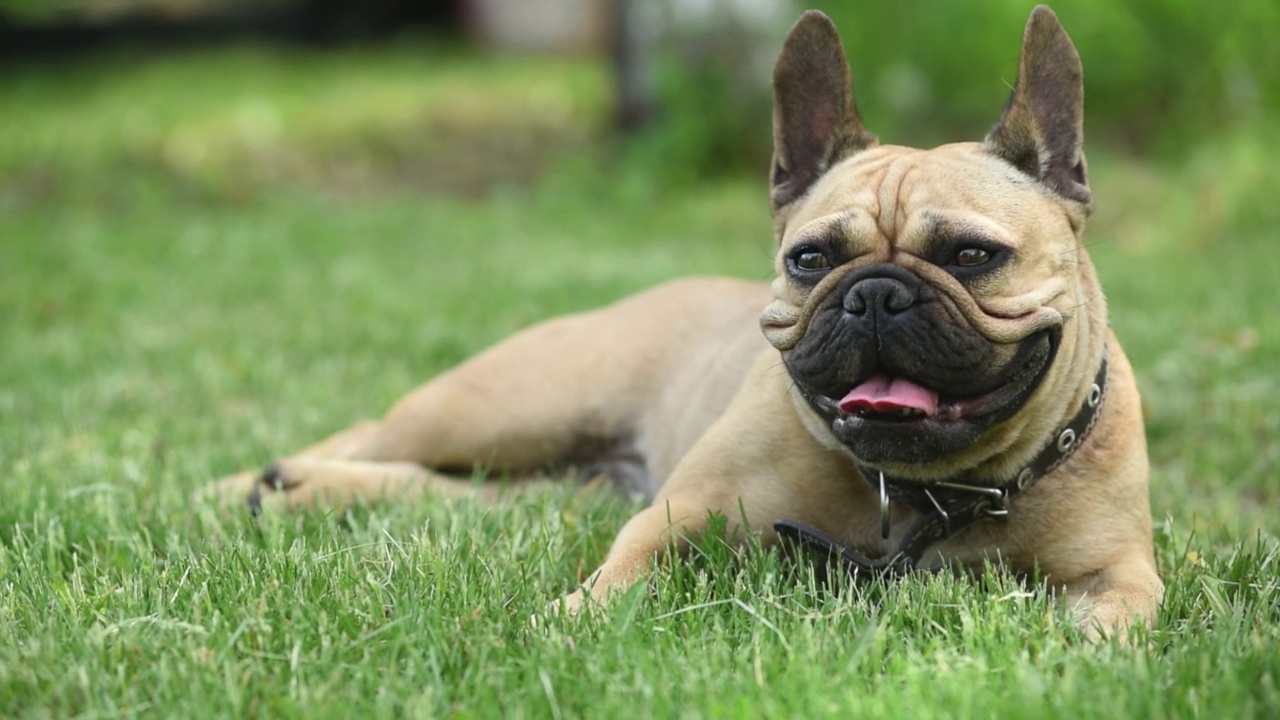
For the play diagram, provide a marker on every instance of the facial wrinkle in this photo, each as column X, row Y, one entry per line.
column 888, row 194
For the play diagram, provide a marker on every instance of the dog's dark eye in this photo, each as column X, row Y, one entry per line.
column 970, row 256
column 808, row 263
column 810, row 260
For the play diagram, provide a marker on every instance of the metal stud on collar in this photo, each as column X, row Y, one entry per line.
column 1066, row 440
column 1024, row 478
column 1095, row 396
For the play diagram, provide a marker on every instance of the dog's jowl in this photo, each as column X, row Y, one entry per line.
column 935, row 384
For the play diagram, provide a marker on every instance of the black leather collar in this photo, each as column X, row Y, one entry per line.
column 946, row 508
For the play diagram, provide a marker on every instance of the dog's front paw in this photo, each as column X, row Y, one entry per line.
column 1110, row 619
column 572, row 605
column 1113, row 609
column 569, row 605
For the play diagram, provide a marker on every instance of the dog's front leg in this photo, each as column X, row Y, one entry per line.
column 757, row 464
column 661, row 531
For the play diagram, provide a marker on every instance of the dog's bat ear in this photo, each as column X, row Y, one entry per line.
column 815, row 123
column 1041, row 131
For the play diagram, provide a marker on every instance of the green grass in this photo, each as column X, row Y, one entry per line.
column 169, row 316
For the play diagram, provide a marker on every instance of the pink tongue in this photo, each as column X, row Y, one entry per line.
column 886, row 394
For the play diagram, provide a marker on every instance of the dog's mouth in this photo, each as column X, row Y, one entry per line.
column 889, row 416
column 883, row 397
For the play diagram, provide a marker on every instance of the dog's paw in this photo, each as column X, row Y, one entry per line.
column 269, row 484
column 253, row 489
column 301, row 484
column 1109, row 620
column 1116, row 612
column 230, row 491
column 293, row 485
column 569, row 606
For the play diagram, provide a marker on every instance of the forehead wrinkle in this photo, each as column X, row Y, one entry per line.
column 931, row 222
column 892, row 212
column 844, row 223
column 922, row 213
column 839, row 225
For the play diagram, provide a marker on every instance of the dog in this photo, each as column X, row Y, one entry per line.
column 929, row 381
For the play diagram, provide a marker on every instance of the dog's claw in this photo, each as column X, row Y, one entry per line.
column 254, row 501
column 272, row 477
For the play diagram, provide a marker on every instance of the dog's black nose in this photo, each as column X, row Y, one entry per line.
column 878, row 294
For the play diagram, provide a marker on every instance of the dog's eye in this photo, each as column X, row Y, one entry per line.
column 810, row 260
column 970, row 256
column 807, row 264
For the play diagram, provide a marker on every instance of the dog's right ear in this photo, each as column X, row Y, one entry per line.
column 815, row 123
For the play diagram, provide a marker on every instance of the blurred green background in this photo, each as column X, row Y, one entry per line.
column 230, row 228
column 1163, row 76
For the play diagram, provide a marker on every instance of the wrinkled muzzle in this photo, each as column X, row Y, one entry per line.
column 900, row 371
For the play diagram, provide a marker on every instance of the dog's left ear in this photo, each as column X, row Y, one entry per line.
column 1041, row 131
column 815, row 123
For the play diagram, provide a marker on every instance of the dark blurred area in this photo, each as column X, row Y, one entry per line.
column 34, row 30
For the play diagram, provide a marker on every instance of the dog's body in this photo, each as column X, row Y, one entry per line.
column 935, row 320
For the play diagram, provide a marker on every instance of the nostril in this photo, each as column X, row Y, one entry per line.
column 898, row 299
column 854, row 302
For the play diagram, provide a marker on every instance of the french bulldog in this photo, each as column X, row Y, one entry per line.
column 929, row 381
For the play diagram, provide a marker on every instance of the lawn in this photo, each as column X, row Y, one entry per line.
column 210, row 258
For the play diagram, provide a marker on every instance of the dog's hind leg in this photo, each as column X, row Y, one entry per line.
column 548, row 400
column 551, row 395
column 323, row 475
column 575, row 395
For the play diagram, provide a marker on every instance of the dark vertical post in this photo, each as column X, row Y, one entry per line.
column 632, row 64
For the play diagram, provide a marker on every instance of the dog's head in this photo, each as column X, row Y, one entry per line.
column 935, row 308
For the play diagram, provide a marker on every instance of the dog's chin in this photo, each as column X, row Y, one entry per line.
column 957, row 424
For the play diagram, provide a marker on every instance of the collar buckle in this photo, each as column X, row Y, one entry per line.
column 995, row 502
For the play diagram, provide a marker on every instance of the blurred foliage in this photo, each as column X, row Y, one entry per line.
column 36, row 9
column 714, row 104
column 1157, row 72
column 1159, row 75
column 53, row 10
